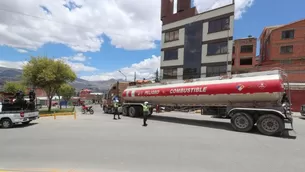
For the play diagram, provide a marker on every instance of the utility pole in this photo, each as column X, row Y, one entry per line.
column 123, row 75
column 135, row 76
column 157, row 76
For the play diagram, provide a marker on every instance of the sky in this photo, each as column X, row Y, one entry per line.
column 99, row 38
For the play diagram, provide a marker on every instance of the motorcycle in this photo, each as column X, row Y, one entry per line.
column 86, row 109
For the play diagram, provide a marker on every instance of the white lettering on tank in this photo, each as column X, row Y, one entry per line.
column 151, row 92
column 188, row 90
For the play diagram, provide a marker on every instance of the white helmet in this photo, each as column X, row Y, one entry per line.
column 117, row 100
column 145, row 103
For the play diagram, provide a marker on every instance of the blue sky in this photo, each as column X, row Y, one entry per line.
column 104, row 62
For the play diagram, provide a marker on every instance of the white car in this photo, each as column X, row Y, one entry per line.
column 10, row 118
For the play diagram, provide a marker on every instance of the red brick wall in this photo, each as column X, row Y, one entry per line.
column 298, row 42
column 183, row 5
column 166, row 8
column 179, row 16
column 238, row 55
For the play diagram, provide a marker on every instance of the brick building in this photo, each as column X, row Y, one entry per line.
column 283, row 46
column 244, row 57
column 195, row 45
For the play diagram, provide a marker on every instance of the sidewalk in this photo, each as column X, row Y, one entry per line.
column 296, row 114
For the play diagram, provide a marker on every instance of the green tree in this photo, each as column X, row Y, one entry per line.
column 47, row 74
column 13, row 87
column 65, row 91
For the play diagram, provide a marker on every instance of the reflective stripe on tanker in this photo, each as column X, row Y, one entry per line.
column 267, row 86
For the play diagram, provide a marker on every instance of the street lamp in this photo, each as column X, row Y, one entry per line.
column 123, row 75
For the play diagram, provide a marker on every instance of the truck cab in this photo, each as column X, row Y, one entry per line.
column 115, row 90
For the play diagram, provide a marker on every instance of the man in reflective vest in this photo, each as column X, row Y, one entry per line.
column 116, row 111
column 145, row 113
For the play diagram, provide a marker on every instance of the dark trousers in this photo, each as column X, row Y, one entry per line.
column 145, row 116
column 116, row 112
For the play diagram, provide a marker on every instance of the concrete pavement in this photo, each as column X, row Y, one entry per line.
column 171, row 142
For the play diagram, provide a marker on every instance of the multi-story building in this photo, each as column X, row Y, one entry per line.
column 244, row 55
column 195, row 45
column 283, row 46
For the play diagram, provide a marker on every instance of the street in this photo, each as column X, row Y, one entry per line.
column 172, row 141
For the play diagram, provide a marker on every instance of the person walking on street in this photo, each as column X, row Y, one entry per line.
column 116, row 111
column 145, row 113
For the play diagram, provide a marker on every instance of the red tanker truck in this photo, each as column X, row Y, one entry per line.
column 254, row 98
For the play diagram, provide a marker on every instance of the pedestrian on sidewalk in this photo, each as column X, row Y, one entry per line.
column 145, row 113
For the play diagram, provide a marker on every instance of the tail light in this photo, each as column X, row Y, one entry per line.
column 22, row 114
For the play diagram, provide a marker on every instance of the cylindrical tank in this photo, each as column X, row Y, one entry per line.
column 266, row 88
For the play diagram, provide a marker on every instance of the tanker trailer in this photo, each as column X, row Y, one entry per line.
column 253, row 98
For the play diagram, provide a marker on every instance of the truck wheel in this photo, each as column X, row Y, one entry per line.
column 6, row 123
column 242, row 122
column 125, row 111
column 133, row 111
column 270, row 125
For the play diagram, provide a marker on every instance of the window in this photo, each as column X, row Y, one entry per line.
column 233, row 50
column 245, row 61
column 190, row 73
column 286, row 49
column 219, row 25
column 170, row 54
column 172, row 36
column 288, row 34
column 218, row 48
column 246, row 49
column 170, row 73
column 233, row 60
column 216, row 70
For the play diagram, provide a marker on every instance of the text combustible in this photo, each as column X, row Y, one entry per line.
column 178, row 90
column 188, row 90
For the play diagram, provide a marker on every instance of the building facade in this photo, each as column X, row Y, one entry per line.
column 244, row 55
column 283, row 47
column 195, row 45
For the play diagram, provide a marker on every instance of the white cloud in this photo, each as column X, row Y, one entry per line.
column 78, row 57
column 12, row 64
column 80, row 67
column 22, row 50
column 130, row 24
column 143, row 69
column 76, row 62
column 240, row 5
column 76, row 66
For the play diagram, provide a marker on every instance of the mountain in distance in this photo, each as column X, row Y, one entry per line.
column 10, row 74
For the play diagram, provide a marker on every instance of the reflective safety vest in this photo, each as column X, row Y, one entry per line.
column 115, row 104
column 145, row 108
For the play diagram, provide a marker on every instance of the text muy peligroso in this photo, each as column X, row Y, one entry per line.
column 178, row 90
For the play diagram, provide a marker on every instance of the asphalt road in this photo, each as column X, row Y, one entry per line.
column 171, row 142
